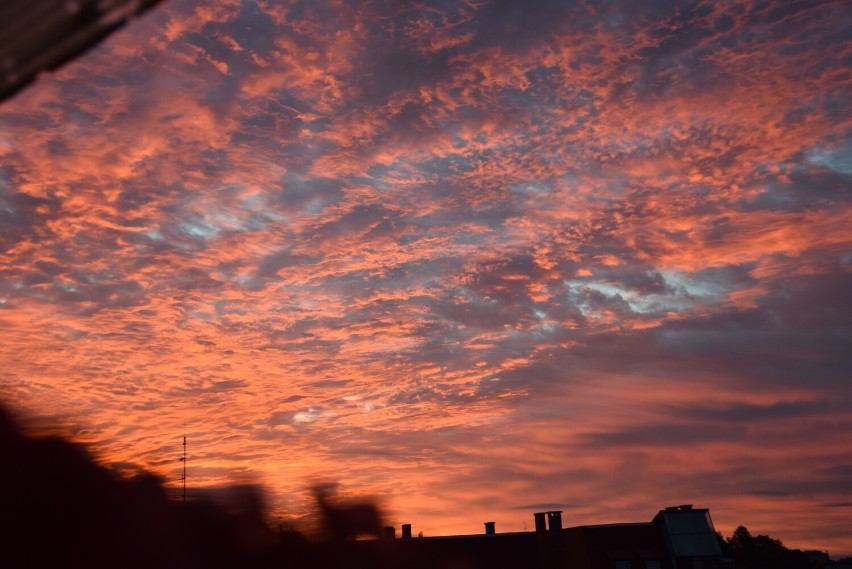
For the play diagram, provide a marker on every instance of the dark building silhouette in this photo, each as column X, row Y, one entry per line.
column 690, row 537
column 677, row 538
column 616, row 546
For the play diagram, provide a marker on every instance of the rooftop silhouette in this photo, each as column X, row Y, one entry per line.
column 60, row 506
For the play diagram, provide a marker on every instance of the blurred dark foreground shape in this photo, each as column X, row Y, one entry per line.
column 41, row 35
column 350, row 520
column 59, row 508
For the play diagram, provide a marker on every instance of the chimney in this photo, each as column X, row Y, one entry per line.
column 554, row 520
column 406, row 531
column 540, row 523
column 489, row 528
column 389, row 532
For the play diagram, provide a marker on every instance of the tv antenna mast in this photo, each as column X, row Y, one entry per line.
column 183, row 477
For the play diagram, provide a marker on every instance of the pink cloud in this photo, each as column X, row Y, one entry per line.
column 455, row 263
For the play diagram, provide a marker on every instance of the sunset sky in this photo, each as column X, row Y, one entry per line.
column 478, row 258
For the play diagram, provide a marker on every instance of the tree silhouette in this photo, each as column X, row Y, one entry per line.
column 761, row 551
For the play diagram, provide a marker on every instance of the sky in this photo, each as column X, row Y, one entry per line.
column 478, row 259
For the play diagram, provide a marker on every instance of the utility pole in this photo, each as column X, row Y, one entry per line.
column 183, row 460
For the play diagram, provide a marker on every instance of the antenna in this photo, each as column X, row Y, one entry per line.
column 183, row 460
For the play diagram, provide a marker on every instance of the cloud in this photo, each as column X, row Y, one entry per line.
column 464, row 251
